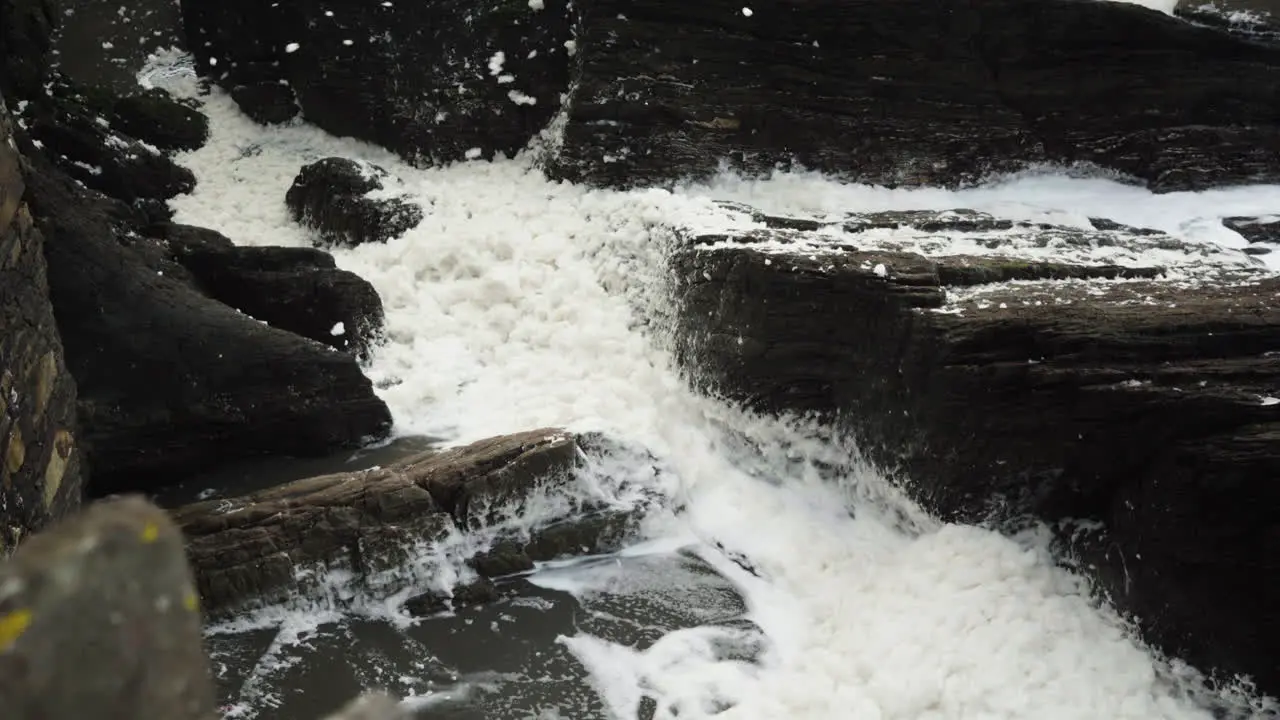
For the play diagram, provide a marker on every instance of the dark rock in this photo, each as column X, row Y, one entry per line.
column 26, row 37
column 914, row 92
column 155, row 117
column 252, row 548
column 1256, row 229
column 171, row 382
column 505, row 558
column 1144, row 406
column 39, row 460
column 72, row 127
column 99, row 618
column 415, row 77
column 474, row 593
column 330, row 196
column 296, row 289
column 269, row 103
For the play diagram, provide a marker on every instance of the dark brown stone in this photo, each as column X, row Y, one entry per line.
column 1146, row 406
column 251, row 548
column 99, row 618
column 40, row 476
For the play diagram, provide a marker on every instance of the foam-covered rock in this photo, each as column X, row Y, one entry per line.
column 331, row 196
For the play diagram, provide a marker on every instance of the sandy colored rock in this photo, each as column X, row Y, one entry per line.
column 99, row 618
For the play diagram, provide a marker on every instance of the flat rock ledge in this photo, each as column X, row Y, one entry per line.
column 278, row 544
column 1106, row 377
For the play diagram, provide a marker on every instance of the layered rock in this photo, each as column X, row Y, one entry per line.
column 39, row 459
column 300, row 290
column 260, row 547
column 973, row 357
column 332, row 197
column 909, row 92
column 99, row 618
column 172, row 382
column 1262, row 233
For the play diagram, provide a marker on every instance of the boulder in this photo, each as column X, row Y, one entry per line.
column 170, row 381
column 39, row 458
column 296, row 289
column 99, row 618
column 1256, row 230
column 331, row 196
column 158, row 119
column 901, row 92
column 434, row 81
column 259, row 547
column 1080, row 386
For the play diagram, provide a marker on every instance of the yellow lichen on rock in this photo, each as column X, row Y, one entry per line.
column 46, row 372
column 16, row 454
column 12, row 625
column 63, row 445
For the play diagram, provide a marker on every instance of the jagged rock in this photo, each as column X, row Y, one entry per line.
column 429, row 80
column 330, row 195
column 1146, row 405
column 296, row 289
column 1256, row 229
column 255, row 547
column 99, row 618
column 473, row 593
column 170, row 381
column 155, row 117
column 39, row 459
column 26, row 38
column 72, row 128
column 905, row 92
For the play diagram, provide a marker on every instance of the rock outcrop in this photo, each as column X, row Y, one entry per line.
column 99, row 618
column 904, row 92
column 1263, row 233
column 300, row 290
column 332, row 197
column 39, row 459
column 256, row 548
column 496, row 70
column 171, row 381
column 1004, row 386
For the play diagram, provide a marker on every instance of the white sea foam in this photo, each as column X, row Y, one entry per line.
column 520, row 303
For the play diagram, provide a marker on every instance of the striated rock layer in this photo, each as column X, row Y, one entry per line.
column 1135, row 405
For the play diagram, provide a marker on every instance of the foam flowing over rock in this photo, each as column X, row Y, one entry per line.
column 269, row 546
column 1020, row 370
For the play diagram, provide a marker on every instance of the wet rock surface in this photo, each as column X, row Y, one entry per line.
column 259, row 547
column 331, row 196
column 359, row 69
column 40, row 476
column 300, row 290
column 172, row 382
column 1005, row 386
column 895, row 93
column 99, row 618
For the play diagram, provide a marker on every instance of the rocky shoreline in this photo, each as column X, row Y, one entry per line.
column 1140, row 399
